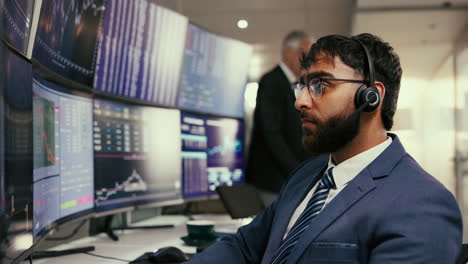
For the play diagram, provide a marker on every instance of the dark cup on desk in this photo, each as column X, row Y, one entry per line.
column 201, row 229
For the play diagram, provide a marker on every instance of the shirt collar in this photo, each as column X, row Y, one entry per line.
column 289, row 74
column 350, row 168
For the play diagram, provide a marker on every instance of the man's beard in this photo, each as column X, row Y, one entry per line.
column 332, row 134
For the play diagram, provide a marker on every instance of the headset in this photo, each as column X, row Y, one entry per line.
column 367, row 97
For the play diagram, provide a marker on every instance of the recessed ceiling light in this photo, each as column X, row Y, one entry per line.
column 242, row 23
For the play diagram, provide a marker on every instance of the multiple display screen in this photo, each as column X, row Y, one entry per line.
column 65, row 154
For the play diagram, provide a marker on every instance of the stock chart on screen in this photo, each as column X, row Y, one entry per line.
column 140, row 52
column 63, row 154
column 66, row 38
column 214, row 73
column 212, row 153
column 137, row 153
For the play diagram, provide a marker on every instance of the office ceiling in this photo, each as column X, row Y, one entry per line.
column 421, row 31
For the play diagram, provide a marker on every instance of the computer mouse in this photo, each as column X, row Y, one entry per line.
column 167, row 255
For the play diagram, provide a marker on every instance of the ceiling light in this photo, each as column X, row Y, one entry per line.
column 242, row 23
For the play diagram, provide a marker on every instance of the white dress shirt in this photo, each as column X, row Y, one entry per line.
column 291, row 78
column 343, row 173
column 289, row 74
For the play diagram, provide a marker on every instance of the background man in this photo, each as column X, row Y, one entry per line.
column 275, row 148
column 365, row 200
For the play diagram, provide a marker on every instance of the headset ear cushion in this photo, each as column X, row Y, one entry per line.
column 364, row 94
column 359, row 98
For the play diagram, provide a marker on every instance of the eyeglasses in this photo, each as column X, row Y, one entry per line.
column 316, row 85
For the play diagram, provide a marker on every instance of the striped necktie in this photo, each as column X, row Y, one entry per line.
column 313, row 208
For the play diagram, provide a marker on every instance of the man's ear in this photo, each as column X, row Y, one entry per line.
column 381, row 89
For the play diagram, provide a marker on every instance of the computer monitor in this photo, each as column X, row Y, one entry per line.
column 66, row 37
column 214, row 74
column 140, row 52
column 18, row 21
column 16, row 198
column 136, row 155
column 212, row 154
column 63, row 175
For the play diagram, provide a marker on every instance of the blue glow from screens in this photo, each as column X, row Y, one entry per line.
column 66, row 37
column 63, row 154
column 17, row 17
column 212, row 153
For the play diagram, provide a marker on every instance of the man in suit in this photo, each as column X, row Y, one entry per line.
column 276, row 148
column 365, row 199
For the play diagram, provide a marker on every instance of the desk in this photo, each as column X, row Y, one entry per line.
column 133, row 243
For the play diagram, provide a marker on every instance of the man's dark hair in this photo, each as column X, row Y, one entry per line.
column 386, row 64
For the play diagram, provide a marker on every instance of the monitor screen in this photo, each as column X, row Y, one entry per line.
column 136, row 155
column 140, row 52
column 66, row 38
column 214, row 73
column 212, row 153
column 16, row 18
column 63, row 155
column 16, row 152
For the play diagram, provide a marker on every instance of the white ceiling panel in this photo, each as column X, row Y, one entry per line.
column 211, row 7
column 412, row 27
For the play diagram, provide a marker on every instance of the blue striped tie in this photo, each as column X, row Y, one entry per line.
column 313, row 208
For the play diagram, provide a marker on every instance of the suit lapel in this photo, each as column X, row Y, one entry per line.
column 352, row 193
column 292, row 199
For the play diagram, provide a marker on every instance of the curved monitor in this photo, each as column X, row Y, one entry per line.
column 63, row 155
column 16, row 198
column 214, row 74
column 140, row 52
column 212, row 154
column 66, row 37
column 136, row 155
column 18, row 21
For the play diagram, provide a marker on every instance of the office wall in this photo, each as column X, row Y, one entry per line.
column 407, row 119
column 461, row 124
column 438, row 130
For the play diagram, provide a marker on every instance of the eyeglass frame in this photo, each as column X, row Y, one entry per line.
column 300, row 86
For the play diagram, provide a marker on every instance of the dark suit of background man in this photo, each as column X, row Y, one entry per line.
column 276, row 148
column 365, row 200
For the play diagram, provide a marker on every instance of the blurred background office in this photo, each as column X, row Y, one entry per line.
column 155, row 99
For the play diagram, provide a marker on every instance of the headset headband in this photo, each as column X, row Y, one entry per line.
column 369, row 63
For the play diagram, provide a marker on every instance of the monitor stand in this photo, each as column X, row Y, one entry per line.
column 58, row 253
column 109, row 230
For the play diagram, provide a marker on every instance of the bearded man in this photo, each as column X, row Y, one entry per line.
column 364, row 199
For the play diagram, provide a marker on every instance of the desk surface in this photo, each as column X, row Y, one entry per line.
column 133, row 243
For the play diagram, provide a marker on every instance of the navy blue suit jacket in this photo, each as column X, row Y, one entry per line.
column 391, row 212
